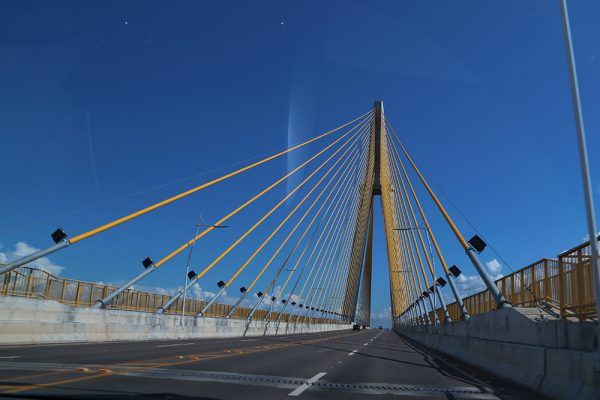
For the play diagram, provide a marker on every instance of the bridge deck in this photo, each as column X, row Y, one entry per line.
column 343, row 365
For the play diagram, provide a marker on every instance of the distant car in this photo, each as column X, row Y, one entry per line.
column 356, row 328
column 380, row 327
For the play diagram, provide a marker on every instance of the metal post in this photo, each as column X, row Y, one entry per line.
column 437, row 288
column 187, row 271
column 236, row 305
column 105, row 301
column 34, row 256
column 258, row 303
column 423, row 310
column 443, row 304
column 210, row 303
column 269, row 311
column 278, row 319
column 174, row 298
column 487, row 279
column 584, row 164
column 463, row 310
column 435, row 317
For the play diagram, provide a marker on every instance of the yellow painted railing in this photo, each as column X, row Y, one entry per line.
column 563, row 285
column 31, row 282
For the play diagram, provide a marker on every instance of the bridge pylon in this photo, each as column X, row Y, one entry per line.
column 357, row 303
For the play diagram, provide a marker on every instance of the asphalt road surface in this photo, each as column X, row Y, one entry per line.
column 339, row 365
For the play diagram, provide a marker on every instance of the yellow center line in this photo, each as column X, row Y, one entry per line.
column 195, row 358
column 31, row 376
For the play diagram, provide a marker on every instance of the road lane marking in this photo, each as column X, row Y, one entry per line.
column 247, row 340
column 352, row 353
column 292, row 383
column 10, row 357
column 298, row 391
column 16, row 378
column 28, row 387
column 176, row 344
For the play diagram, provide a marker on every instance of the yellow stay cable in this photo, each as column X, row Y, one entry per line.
column 331, row 244
column 284, row 221
column 400, row 181
column 335, row 204
column 449, row 220
column 153, row 207
column 423, row 216
column 271, row 211
column 293, row 230
column 253, row 199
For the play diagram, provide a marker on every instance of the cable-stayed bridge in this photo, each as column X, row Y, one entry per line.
column 297, row 324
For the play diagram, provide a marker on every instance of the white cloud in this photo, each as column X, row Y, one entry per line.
column 495, row 268
column 587, row 236
column 471, row 284
column 23, row 249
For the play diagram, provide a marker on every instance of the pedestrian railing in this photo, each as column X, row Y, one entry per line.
column 563, row 286
column 36, row 283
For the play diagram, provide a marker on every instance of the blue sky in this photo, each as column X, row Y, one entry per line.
column 478, row 91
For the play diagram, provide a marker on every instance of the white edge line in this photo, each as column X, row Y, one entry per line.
column 298, row 391
column 176, row 344
column 10, row 357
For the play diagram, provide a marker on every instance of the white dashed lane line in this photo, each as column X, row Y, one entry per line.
column 353, row 352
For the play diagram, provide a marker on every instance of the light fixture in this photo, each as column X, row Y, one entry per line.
column 477, row 243
column 58, row 235
column 455, row 271
column 147, row 262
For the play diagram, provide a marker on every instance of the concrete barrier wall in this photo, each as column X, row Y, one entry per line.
column 27, row 321
column 555, row 358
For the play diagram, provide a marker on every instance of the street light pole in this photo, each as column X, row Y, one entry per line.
column 584, row 164
column 187, row 271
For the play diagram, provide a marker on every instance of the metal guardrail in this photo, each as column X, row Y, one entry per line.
column 32, row 282
column 564, row 286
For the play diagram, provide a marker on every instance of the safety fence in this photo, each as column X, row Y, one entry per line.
column 563, row 286
column 32, row 282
